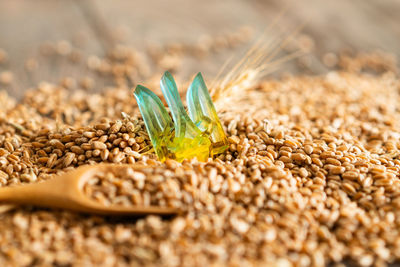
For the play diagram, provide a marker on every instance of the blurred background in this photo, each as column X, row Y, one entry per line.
column 62, row 41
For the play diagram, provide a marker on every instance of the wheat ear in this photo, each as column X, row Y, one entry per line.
column 259, row 61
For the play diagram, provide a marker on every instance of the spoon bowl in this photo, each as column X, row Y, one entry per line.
column 65, row 191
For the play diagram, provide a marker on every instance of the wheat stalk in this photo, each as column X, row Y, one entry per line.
column 259, row 61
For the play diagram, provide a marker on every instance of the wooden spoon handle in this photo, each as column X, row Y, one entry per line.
column 38, row 195
column 23, row 194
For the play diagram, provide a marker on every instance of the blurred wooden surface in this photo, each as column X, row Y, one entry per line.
column 361, row 25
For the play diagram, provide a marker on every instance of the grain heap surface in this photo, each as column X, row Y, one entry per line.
column 311, row 177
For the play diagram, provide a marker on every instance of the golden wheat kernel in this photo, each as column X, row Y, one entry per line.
column 233, row 139
column 77, row 150
column 130, row 160
column 104, row 154
column 349, row 188
column 117, row 141
column 102, row 138
column 252, row 136
column 115, row 127
column 350, row 175
column 378, row 169
column 13, row 158
column 81, row 157
column 3, row 152
column 99, row 145
column 139, row 139
column 115, row 151
column 3, row 174
column 38, row 145
column 319, row 181
column 96, row 152
column 308, row 149
column 102, row 126
column 327, row 154
column 111, row 137
column 57, row 144
column 285, row 159
column 69, row 145
column 384, row 182
column 8, row 146
column 100, row 133
column 279, row 134
column 69, row 157
column 16, row 142
column 88, row 153
column 66, row 138
column 51, row 161
column 337, row 170
column 43, row 160
column 379, row 176
column 285, row 153
column 303, row 172
column 89, row 134
column 125, row 137
column 80, row 140
column 9, row 169
column 317, row 162
column 333, row 161
column 131, row 141
column 299, row 157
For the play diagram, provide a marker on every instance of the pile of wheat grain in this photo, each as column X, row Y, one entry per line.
column 310, row 178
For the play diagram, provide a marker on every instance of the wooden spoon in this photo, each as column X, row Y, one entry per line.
column 66, row 191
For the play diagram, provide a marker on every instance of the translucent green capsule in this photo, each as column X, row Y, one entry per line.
column 197, row 135
column 203, row 113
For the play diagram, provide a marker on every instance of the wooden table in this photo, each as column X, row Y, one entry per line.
column 361, row 25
